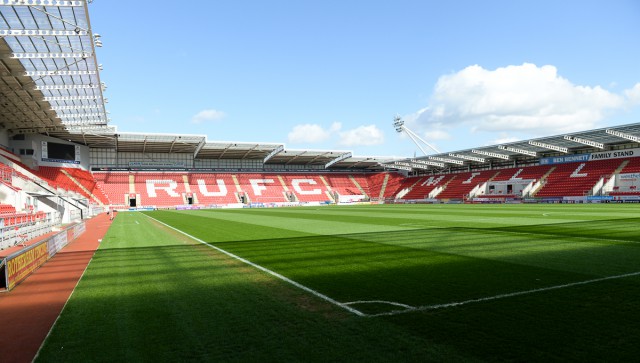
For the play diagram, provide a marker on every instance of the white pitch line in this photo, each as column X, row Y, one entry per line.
column 380, row 302
column 503, row 296
column 272, row 273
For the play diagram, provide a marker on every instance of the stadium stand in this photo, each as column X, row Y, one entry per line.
column 100, row 167
column 576, row 179
column 459, row 186
column 210, row 188
column 342, row 184
column 306, row 188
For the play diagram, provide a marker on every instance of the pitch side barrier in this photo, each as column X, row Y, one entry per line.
column 16, row 267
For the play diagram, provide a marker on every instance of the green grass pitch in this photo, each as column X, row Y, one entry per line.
column 360, row 283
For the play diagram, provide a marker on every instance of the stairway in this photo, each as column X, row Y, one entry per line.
column 384, row 186
column 355, row 182
column 82, row 187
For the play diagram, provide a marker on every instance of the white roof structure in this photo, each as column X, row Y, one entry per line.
column 50, row 73
column 533, row 149
column 50, row 84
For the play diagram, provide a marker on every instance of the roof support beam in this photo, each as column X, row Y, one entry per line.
column 466, row 157
column 172, row 144
column 445, row 160
column 295, row 157
column 580, row 140
column 399, row 167
column 273, row 153
column 346, row 155
column 41, row 33
column 73, row 108
column 60, row 55
column 516, row 150
column 201, row 144
column 426, row 162
column 492, row 154
column 55, row 73
column 58, row 3
column 71, row 98
column 549, row 146
column 250, row 150
column 315, row 158
column 51, row 87
column 67, row 116
column 623, row 135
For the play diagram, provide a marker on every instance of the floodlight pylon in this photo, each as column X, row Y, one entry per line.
column 398, row 124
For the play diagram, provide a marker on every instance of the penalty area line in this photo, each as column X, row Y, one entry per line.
column 503, row 296
column 264, row 269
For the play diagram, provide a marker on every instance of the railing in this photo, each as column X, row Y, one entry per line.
column 12, row 235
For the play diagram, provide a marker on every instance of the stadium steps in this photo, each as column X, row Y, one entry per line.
column 95, row 198
column 541, row 183
column 355, row 182
column 286, row 192
column 132, row 184
column 284, row 185
column 493, row 177
column 329, row 192
column 384, row 186
column 406, row 191
column 444, row 187
column 621, row 167
column 239, row 190
column 236, row 183
column 185, row 180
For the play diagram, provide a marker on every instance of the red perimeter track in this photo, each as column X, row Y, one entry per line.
column 28, row 312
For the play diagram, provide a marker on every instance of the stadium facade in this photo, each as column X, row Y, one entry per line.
column 61, row 160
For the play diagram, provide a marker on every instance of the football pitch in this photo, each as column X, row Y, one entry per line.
column 360, row 283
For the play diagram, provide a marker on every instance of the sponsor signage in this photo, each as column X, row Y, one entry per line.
column 230, row 170
column 603, row 155
column 19, row 267
column 157, row 164
column 615, row 154
column 600, row 197
column 630, row 176
column 564, row 159
column 56, row 243
column 24, row 262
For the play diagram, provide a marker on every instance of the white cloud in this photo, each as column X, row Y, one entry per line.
column 312, row 133
column 437, row 135
column 207, row 115
column 362, row 136
column 633, row 94
column 504, row 139
column 524, row 98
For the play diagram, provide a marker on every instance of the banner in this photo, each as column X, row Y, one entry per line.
column 56, row 243
column 565, row 159
column 630, row 176
column 603, row 155
column 19, row 267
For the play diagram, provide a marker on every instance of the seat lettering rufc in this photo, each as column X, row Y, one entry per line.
column 168, row 186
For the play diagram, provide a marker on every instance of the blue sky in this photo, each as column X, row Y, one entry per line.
column 331, row 75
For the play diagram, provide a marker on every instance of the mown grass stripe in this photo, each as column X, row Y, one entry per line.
column 270, row 272
column 501, row 296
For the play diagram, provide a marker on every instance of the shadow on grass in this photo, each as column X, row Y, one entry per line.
column 189, row 302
